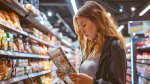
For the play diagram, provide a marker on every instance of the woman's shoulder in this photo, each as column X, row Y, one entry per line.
column 116, row 44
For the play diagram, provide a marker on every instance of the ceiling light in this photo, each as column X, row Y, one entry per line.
column 145, row 10
column 121, row 10
column 49, row 13
column 120, row 28
column 133, row 8
column 74, row 6
column 109, row 14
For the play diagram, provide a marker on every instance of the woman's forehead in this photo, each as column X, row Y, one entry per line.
column 81, row 19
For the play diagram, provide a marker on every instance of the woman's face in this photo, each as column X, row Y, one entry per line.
column 87, row 27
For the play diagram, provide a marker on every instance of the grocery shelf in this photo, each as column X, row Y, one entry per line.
column 16, row 79
column 143, row 48
column 39, row 40
column 144, row 76
column 21, row 55
column 143, row 62
column 38, row 74
column 38, row 25
column 15, row 6
column 7, row 27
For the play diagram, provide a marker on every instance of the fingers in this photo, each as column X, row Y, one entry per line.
column 60, row 74
column 74, row 77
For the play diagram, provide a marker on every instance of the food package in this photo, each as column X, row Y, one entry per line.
column 1, row 35
column 35, row 48
column 27, row 47
column 45, row 50
column 21, row 63
column 15, row 20
column 8, row 18
column 2, row 16
column 31, row 9
column 15, row 48
column 10, row 42
column 5, row 41
column 20, row 45
column 28, row 69
column 20, row 71
column 2, row 70
column 8, row 70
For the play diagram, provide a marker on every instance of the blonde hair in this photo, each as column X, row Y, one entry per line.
column 105, row 24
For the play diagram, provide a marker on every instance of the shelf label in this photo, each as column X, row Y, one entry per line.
column 139, row 27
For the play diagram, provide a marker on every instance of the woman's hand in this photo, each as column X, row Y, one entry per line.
column 60, row 74
column 81, row 78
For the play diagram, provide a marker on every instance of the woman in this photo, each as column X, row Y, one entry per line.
column 103, row 48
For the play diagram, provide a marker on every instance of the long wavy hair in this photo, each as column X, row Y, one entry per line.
column 105, row 24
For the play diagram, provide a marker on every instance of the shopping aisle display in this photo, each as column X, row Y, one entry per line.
column 25, row 38
column 143, row 61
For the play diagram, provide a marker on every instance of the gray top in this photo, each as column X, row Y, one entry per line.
column 90, row 67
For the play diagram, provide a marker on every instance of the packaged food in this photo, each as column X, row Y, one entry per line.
column 2, row 70
column 1, row 35
column 28, row 70
column 10, row 41
column 20, row 71
column 15, row 48
column 19, row 43
column 28, row 47
column 15, row 20
column 8, row 70
column 2, row 16
column 4, row 41
column 8, row 18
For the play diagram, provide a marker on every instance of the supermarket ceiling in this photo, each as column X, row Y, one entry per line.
column 65, row 10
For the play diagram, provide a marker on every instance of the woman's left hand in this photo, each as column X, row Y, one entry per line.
column 81, row 78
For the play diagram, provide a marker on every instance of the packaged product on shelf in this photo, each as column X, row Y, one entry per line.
column 20, row 71
column 5, row 41
column 46, row 80
column 27, row 46
column 8, row 70
column 31, row 9
column 2, row 16
column 1, row 35
column 45, row 50
column 10, row 41
column 15, row 20
column 20, row 44
column 41, row 50
column 35, row 32
column 15, row 48
column 28, row 69
column 22, row 62
column 8, row 18
column 2, row 70
column 35, row 48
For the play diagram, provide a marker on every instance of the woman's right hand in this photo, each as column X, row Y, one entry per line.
column 60, row 74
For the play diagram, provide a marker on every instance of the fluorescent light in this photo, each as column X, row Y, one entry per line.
column 120, row 28
column 133, row 8
column 49, row 13
column 145, row 10
column 109, row 14
column 74, row 6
